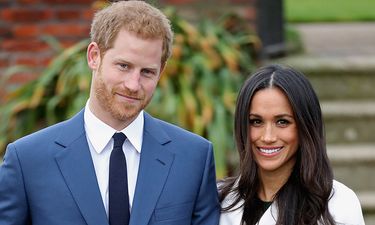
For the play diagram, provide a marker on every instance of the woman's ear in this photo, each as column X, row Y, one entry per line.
column 93, row 56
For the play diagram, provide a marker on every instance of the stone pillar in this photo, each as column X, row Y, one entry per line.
column 270, row 27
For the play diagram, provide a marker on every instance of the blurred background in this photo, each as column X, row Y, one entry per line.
column 44, row 77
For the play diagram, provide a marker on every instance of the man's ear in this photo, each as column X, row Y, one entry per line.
column 93, row 56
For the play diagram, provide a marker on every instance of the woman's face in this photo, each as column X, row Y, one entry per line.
column 273, row 131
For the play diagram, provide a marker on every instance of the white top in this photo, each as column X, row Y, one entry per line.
column 344, row 206
column 99, row 137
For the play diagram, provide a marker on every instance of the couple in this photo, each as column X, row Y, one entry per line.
column 69, row 174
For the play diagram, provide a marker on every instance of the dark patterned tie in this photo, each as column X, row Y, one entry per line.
column 119, row 213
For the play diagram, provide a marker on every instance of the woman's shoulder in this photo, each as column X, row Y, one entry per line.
column 344, row 205
column 230, row 199
column 341, row 189
column 232, row 216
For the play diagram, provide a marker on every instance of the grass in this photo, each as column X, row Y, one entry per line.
column 329, row 10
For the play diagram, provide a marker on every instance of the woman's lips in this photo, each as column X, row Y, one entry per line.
column 269, row 150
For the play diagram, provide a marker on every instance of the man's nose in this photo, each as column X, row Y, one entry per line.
column 132, row 81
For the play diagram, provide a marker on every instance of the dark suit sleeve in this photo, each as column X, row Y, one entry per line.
column 13, row 204
column 207, row 208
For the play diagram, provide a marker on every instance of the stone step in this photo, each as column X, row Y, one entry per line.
column 337, row 39
column 369, row 219
column 337, row 77
column 349, row 121
column 367, row 200
column 354, row 165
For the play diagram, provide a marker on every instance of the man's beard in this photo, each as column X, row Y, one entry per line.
column 118, row 110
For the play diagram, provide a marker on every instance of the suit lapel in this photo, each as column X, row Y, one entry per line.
column 155, row 164
column 77, row 168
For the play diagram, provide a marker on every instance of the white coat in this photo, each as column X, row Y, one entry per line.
column 344, row 206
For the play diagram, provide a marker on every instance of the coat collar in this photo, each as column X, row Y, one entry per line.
column 154, row 167
column 77, row 168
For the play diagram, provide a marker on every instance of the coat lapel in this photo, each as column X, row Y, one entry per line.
column 155, row 164
column 270, row 216
column 77, row 168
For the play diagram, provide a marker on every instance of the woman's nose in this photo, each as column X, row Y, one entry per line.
column 268, row 134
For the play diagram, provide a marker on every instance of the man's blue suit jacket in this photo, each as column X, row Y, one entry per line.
column 48, row 178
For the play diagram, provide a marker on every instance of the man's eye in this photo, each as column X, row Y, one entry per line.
column 123, row 66
column 147, row 72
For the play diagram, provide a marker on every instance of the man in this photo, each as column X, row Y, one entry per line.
column 68, row 173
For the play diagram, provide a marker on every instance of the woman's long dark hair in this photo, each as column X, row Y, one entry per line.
column 303, row 199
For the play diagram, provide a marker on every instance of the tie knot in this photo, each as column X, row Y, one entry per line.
column 118, row 139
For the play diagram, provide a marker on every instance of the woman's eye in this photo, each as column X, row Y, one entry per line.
column 255, row 122
column 282, row 122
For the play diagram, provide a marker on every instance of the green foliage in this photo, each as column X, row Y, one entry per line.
column 329, row 11
column 197, row 90
column 293, row 40
column 59, row 92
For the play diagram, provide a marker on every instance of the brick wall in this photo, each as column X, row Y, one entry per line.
column 24, row 23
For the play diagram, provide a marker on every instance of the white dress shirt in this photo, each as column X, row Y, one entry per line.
column 99, row 137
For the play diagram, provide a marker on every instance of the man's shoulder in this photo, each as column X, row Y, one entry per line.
column 186, row 145
column 48, row 134
column 40, row 134
column 174, row 130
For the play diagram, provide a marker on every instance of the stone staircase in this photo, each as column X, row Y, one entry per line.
column 346, row 89
column 339, row 60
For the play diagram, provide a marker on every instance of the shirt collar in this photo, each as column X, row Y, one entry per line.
column 99, row 140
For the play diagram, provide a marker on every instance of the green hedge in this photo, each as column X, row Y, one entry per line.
column 329, row 11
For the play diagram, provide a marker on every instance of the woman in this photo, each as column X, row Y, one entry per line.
column 285, row 176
